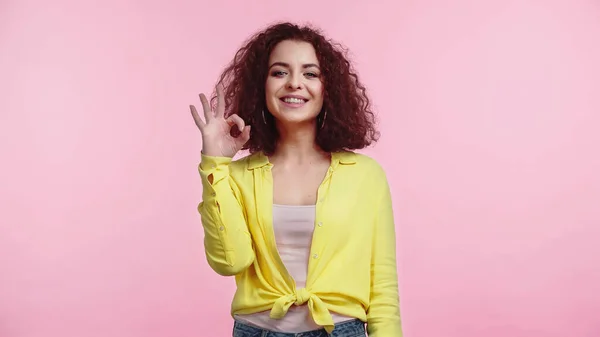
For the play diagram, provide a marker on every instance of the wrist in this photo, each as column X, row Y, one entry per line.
column 213, row 153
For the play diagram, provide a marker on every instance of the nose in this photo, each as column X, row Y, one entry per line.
column 294, row 82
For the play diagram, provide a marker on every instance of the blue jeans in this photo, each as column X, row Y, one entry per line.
column 353, row 328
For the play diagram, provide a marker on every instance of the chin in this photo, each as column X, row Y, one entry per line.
column 288, row 118
column 299, row 120
column 295, row 116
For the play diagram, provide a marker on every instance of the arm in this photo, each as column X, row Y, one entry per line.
column 227, row 242
column 383, row 315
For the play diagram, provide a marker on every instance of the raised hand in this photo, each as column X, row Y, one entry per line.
column 216, row 129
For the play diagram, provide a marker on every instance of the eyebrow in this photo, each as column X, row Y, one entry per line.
column 304, row 66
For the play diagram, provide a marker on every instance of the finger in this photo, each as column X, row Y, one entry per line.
column 208, row 115
column 245, row 134
column 220, row 101
column 243, row 137
column 199, row 122
column 236, row 120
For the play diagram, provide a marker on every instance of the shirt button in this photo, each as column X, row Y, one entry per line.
column 320, row 224
column 221, row 228
column 213, row 194
column 315, row 256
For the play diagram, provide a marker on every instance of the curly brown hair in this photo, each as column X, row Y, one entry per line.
column 349, row 123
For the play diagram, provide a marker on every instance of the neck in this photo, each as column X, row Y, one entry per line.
column 296, row 145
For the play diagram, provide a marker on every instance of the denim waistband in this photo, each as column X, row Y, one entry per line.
column 352, row 328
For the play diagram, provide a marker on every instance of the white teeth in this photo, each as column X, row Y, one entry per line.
column 293, row 100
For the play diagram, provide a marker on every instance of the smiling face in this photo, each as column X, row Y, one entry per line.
column 294, row 90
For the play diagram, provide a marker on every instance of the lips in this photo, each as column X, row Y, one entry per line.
column 293, row 99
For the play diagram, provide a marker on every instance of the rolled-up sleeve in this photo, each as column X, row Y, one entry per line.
column 227, row 241
column 383, row 315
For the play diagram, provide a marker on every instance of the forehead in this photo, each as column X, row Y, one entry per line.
column 294, row 52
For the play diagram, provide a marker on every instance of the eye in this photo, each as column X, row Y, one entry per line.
column 278, row 73
column 312, row 75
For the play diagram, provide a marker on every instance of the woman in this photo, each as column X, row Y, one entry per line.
column 303, row 223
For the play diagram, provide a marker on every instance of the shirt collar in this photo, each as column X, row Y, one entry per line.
column 258, row 159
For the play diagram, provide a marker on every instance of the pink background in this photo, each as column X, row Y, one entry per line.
column 490, row 114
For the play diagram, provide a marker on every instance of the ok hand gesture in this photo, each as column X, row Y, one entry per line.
column 216, row 129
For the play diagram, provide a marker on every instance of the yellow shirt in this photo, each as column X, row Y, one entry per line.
column 352, row 268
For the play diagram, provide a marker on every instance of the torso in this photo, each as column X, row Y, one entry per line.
column 344, row 217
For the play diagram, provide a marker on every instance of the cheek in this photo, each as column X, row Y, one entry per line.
column 317, row 91
column 271, row 95
column 269, row 88
column 273, row 83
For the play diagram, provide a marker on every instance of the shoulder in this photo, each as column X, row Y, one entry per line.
column 360, row 162
column 248, row 162
column 361, row 169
